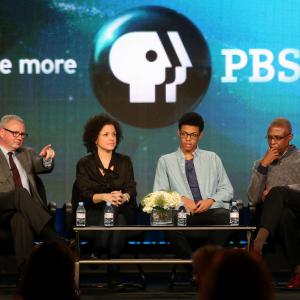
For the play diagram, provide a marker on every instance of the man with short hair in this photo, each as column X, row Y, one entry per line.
column 275, row 184
column 21, row 207
column 201, row 180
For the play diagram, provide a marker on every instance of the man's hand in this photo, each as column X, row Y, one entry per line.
column 47, row 152
column 271, row 155
column 204, row 205
column 189, row 204
column 265, row 193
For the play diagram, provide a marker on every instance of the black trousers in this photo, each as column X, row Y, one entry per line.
column 281, row 217
column 180, row 239
column 26, row 219
column 110, row 243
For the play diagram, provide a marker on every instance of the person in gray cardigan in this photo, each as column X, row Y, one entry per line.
column 275, row 184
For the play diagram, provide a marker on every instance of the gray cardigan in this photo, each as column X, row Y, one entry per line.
column 284, row 172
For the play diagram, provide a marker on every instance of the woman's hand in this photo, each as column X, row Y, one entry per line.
column 125, row 197
column 115, row 197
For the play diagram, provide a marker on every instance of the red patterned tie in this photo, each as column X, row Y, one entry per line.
column 14, row 170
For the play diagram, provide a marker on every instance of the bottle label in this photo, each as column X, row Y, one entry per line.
column 234, row 215
column 109, row 215
column 181, row 215
column 80, row 215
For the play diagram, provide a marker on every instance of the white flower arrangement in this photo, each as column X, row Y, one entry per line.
column 160, row 199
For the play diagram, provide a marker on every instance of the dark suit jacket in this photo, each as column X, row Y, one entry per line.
column 32, row 164
column 89, row 181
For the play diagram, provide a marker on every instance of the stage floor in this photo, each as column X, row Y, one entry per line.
column 92, row 287
column 150, row 293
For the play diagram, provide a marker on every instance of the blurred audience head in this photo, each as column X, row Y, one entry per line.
column 203, row 259
column 50, row 273
column 233, row 274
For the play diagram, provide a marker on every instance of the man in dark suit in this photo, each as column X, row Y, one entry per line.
column 21, row 207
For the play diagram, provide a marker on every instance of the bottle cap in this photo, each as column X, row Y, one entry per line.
column 108, row 203
column 80, row 203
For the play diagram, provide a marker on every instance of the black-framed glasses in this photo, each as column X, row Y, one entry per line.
column 276, row 138
column 192, row 135
column 17, row 133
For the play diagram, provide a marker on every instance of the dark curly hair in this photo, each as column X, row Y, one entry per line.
column 92, row 128
column 193, row 119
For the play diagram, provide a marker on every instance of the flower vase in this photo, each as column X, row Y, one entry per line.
column 161, row 217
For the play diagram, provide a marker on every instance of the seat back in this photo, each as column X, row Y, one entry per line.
column 74, row 201
column 69, row 212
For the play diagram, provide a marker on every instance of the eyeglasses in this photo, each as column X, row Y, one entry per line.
column 17, row 133
column 276, row 138
column 192, row 135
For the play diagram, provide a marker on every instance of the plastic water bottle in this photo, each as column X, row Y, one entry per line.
column 108, row 215
column 181, row 216
column 234, row 214
column 80, row 215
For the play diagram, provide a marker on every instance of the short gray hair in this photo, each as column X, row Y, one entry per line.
column 5, row 119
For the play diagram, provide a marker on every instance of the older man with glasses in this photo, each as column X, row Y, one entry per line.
column 275, row 186
column 21, row 207
column 201, row 180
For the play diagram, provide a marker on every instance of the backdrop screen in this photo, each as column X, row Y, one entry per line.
column 237, row 63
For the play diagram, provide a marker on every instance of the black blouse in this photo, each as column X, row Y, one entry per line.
column 90, row 181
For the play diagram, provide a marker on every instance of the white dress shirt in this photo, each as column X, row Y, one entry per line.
column 20, row 168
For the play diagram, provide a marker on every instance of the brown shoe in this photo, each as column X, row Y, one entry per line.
column 294, row 283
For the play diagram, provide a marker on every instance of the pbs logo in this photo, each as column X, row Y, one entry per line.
column 149, row 66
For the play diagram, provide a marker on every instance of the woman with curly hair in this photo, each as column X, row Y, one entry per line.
column 106, row 176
